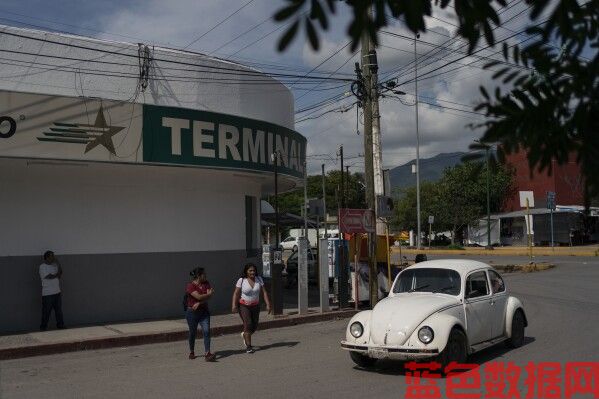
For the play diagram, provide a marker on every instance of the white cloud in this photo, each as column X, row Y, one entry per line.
column 440, row 130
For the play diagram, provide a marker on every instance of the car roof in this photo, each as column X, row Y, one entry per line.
column 463, row 266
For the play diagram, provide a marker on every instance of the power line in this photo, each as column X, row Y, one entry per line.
column 241, row 34
column 468, row 55
column 263, row 37
column 218, row 24
column 206, row 66
column 324, row 61
column 335, row 71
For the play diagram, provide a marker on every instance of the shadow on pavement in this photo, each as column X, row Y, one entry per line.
column 397, row 367
column 227, row 353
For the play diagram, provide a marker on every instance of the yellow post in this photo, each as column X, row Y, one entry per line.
column 388, row 261
column 529, row 229
column 356, row 277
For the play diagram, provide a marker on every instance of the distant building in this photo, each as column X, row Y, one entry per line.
column 565, row 180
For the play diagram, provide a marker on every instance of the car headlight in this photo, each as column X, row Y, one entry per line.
column 426, row 335
column 356, row 329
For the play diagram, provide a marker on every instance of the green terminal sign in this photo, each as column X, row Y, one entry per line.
column 190, row 137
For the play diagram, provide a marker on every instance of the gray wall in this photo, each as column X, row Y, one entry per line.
column 114, row 287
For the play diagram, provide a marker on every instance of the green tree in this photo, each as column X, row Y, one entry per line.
column 457, row 199
column 549, row 114
column 293, row 201
column 405, row 216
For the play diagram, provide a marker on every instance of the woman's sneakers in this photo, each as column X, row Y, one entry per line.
column 192, row 356
column 248, row 348
column 210, row 357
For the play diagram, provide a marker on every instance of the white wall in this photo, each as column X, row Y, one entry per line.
column 92, row 208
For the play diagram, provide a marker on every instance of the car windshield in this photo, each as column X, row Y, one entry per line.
column 428, row 280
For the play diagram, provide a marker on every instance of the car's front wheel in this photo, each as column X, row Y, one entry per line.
column 362, row 360
column 517, row 338
column 455, row 350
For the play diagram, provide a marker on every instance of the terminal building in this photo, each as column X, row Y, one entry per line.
column 134, row 164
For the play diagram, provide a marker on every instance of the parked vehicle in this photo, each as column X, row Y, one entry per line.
column 291, row 268
column 439, row 309
column 290, row 243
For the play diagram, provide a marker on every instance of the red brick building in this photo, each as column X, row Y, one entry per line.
column 565, row 180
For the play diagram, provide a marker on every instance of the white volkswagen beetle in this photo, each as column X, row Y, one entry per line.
column 443, row 310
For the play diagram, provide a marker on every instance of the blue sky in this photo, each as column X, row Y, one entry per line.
column 178, row 23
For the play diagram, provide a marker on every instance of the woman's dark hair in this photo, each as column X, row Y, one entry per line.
column 47, row 254
column 247, row 267
column 197, row 272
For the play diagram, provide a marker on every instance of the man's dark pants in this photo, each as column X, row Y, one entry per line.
column 50, row 302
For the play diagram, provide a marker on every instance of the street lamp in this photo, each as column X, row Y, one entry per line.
column 487, row 148
column 489, row 246
column 417, row 143
column 275, row 160
column 277, row 269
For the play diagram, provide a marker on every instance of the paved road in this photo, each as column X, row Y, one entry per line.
column 305, row 361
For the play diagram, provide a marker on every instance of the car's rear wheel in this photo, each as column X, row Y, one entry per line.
column 517, row 338
column 455, row 350
column 362, row 360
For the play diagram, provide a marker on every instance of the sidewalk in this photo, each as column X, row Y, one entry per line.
column 141, row 333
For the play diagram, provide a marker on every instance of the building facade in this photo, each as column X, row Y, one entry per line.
column 134, row 164
column 565, row 181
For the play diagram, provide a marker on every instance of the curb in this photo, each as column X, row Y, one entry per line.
column 537, row 251
column 155, row 338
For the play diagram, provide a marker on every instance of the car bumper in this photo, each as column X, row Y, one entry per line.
column 390, row 352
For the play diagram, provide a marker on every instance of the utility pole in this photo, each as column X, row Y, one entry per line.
column 347, row 183
column 305, row 209
column 417, row 146
column 277, row 269
column 489, row 245
column 367, row 45
column 377, row 153
column 324, row 202
column 343, row 277
column 342, row 191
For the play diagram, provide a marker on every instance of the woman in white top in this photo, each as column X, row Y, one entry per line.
column 246, row 301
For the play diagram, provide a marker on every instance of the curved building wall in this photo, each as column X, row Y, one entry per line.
column 131, row 189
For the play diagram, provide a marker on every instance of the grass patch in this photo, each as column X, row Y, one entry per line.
column 455, row 246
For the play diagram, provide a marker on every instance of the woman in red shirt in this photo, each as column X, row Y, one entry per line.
column 198, row 292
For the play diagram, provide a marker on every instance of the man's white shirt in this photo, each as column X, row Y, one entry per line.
column 50, row 286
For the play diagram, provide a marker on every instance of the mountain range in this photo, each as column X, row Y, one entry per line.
column 431, row 169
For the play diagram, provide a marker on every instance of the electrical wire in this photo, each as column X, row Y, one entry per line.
column 205, row 66
column 218, row 24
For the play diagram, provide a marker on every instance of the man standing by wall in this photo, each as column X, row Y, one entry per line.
column 50, row 273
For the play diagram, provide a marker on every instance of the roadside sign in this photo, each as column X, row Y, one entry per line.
column 316, row 207
column 551, row 200
column 266, row 261
column 431, row 219
column 356, row 221
column 384, row 206
column 277, row 258
column 527, row 195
